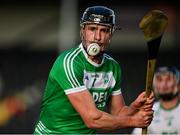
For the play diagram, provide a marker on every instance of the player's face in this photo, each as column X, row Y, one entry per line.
column 94, row 33
column 165, row 83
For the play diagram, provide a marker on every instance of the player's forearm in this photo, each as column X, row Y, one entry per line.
column 107, row 122
column 122, row 121
column 127, row 110
column 104, row 121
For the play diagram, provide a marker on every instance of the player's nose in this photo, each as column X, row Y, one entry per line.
column 97, row 35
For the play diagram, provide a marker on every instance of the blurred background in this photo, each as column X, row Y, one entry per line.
column 33, row 33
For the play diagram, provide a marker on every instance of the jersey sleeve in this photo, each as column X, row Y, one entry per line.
column 68, row 72
column 117, row 87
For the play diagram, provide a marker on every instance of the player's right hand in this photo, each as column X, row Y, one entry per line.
column 142, row 118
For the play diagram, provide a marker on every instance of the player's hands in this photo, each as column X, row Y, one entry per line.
column 144, row 113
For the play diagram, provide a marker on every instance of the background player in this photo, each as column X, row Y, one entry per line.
column 167, row 108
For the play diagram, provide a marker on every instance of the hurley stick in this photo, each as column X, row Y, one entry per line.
column 153, row 26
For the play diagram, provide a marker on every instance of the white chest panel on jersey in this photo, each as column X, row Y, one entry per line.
column 99, row 80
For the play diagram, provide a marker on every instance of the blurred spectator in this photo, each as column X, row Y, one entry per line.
column 167, row 108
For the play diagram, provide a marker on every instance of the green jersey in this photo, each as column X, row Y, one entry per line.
column 73, row 72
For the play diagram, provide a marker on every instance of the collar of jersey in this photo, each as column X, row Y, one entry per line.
column 89, row 60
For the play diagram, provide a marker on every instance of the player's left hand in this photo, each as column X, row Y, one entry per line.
column 143, row 102
column 149, row 102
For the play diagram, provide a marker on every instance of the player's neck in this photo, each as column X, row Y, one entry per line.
column 170, row 104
